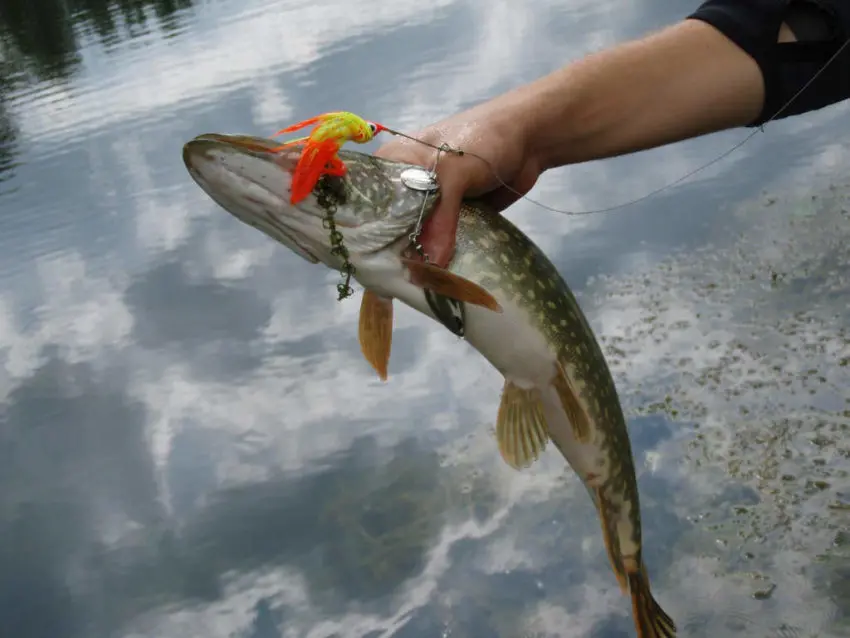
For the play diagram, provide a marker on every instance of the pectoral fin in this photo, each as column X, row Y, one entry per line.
column 572, row 404
column 521, row 426
column 448, row 284
column 376, row 331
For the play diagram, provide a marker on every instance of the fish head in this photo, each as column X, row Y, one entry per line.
column 251, row 177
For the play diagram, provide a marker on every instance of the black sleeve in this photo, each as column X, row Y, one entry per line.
column 821, row 28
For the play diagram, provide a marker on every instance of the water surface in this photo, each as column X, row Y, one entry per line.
column 192, row 444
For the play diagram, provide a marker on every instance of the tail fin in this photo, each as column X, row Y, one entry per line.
column 650, row 620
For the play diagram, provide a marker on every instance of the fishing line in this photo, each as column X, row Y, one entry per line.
column 337, row 127
column 446, row 148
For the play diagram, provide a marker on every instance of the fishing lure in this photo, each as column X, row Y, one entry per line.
column 319, row 156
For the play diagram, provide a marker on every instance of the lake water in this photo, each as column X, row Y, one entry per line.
column 192, row 445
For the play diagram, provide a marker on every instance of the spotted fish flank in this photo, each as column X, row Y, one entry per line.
column 500, row 293
column 584, row 417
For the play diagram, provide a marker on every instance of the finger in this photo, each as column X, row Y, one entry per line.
column 438, row 232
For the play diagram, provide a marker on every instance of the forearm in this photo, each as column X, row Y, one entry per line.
column 684, row 81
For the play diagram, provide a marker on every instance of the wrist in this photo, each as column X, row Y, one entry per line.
column 526, row 115
column 555, row 121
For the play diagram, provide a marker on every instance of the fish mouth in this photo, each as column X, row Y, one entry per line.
column 366, row 210
column 251, row 177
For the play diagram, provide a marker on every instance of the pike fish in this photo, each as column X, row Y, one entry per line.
column 500, row 293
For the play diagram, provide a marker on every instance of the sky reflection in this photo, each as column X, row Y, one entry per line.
column 192, row 443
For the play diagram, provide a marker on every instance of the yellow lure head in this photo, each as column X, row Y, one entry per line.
column 319, row 153
column 338, row 127
column 345, row 126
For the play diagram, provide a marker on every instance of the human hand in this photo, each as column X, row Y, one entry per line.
column 494, row 130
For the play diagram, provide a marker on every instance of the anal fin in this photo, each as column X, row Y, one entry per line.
column 572, row 404
column 448, row 284
column 375, row 331
column 521, row 426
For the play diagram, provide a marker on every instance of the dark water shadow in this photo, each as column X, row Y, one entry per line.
column 42, row 41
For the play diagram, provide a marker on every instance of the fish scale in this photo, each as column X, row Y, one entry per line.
column 500, row 293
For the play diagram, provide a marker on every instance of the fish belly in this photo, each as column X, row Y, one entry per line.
column 510, row 342
column 586, row 459
column 522, row 354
